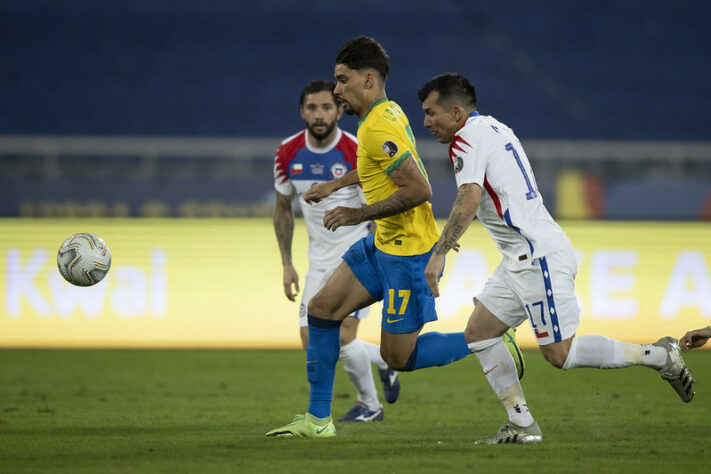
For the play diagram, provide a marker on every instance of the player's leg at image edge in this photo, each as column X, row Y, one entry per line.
column 592, row 351
column 663, row 356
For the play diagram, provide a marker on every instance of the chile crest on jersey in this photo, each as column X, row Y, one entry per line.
column 309, row 166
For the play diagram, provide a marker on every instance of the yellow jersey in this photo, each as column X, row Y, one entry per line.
column 385, row 140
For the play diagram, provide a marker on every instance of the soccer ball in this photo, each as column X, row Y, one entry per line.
column 84, row 259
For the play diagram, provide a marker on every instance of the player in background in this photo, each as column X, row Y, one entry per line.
column 318, row 154
column 535, row 279
column 387, row 265
column 695, row 338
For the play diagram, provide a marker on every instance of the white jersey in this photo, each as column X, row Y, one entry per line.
column 486, row 152
column 298, row 166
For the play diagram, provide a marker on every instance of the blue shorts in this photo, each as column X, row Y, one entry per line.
column 399, row 281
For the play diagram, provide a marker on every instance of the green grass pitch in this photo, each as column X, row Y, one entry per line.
column 207, row 411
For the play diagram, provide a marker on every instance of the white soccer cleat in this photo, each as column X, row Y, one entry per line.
column 675, row 371
column 512, row 433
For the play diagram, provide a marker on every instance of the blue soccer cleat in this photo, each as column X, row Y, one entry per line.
column 391, row 384
column 361, row 414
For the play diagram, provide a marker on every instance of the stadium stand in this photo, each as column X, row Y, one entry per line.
column 629, row 77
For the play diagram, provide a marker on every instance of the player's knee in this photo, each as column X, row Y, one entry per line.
column 346, row 338
column 555, row 358
column 472, row 335
column 317, row 307
column 394, row 360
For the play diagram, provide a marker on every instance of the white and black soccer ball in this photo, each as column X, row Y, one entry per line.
column 84, row 259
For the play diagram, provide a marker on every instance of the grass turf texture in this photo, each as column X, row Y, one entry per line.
column 207, row 411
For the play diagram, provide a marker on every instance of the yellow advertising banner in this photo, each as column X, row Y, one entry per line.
column 218, row 283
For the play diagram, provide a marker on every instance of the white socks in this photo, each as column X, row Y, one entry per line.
column 374, row 354
column 604, row 353
column 356, row 363
column 500, row 370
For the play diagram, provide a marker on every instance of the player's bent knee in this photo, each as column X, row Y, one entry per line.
column 471, row 334
column 320, row 308
column 394, row 360
column 555, row 357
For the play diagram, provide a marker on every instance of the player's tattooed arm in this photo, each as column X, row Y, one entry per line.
column 284, row 229
column 463, row 211
column 413, row 190
column 284, row 226
column 319, row 191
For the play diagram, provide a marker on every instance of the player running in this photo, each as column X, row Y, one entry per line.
column 320, row 153
column 387, row 265
column 535, row 279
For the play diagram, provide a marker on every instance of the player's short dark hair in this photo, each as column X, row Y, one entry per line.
column 318, row 86
column 453, row 89
column 363, row 52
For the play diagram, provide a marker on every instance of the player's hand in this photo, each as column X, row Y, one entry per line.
column 317, row 192
column 694, row 339
column 340, row 216
column 432, row 272
column 291, row 282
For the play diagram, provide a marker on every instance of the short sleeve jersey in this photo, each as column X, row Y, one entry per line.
column 385, row 140
column 298, row 166
column 486, row 152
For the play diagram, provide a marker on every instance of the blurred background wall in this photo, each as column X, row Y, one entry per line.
column 174, row 109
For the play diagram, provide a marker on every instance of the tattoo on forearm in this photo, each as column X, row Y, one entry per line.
column 451, row 233
column 395, row 204
column 456, row 225
column 284, row 229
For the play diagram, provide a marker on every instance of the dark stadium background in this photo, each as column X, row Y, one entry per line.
column 615, row 91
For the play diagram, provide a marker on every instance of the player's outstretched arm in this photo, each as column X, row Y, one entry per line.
column 284, row 229
column 319, row 191
column 463, row 211
column 413, row 190
column 695, row 338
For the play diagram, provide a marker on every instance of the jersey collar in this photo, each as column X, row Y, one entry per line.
column 473, row 114
column 374, row 105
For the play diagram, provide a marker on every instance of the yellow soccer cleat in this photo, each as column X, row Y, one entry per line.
column 306, row 425
column 519, row 359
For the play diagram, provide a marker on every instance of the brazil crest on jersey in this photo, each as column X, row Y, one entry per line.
column 385, row 140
